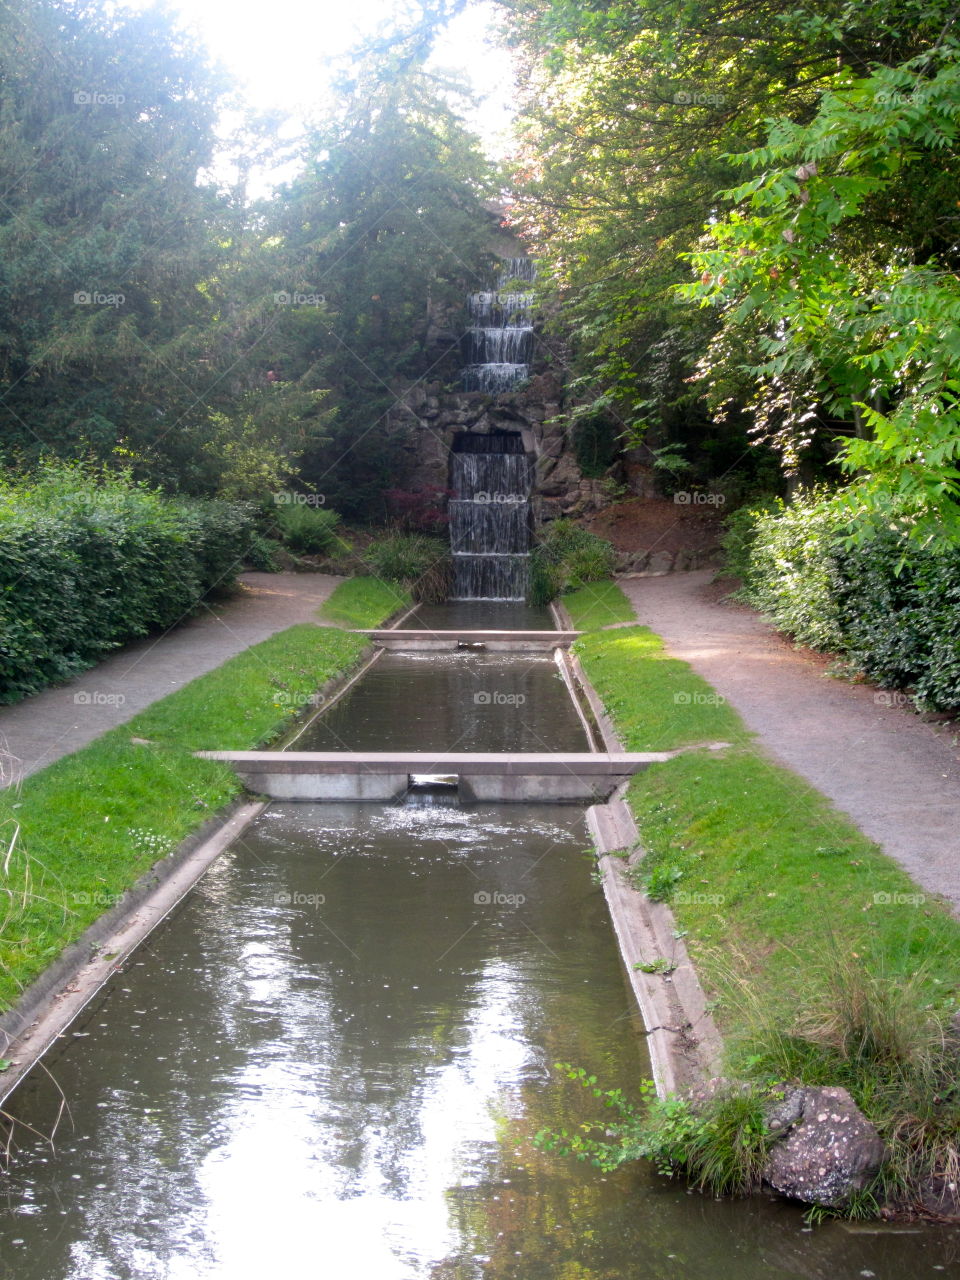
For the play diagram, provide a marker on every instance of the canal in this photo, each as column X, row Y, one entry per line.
column 330, row 1060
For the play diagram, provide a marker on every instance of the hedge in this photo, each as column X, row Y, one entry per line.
column 91, row 560
column 890, row 609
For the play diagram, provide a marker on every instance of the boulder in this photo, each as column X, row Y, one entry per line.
column 661, row 562
column 830, row 1151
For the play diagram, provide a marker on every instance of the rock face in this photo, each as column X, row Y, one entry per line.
column 430, row 416
column 829, row 1151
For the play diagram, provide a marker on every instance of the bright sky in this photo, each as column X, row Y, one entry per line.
column 279, row 51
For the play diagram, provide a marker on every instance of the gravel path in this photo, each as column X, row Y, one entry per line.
column 897, row 777
column 57, row 721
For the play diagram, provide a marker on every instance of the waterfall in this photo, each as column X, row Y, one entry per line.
column 498, row 345
column 491, row 478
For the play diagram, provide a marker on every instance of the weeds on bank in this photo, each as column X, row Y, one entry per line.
column 719, row 1145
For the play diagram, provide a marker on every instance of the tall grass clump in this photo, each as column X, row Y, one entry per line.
column 565, row 558
column 419, row 564
column 858, row 1025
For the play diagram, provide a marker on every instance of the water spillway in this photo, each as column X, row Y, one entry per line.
column 499, row 341
column 491, row 478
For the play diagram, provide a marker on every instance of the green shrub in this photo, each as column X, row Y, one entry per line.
column 565, row 558
column 420, row 564
column 892, row 610
column 309, row 529
column 89, row 560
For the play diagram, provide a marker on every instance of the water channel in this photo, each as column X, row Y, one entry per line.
column 329, row 1061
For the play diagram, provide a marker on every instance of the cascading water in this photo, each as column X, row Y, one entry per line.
column 498, row 345
column 491, row 477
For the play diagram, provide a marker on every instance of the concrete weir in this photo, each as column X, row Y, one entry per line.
column 379, row 776
column 424, row 640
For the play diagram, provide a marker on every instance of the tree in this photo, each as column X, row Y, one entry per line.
column 122, row 331
column 634, row 116
column 823, row 288
column 387, row 224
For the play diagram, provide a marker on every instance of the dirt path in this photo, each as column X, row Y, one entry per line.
column 894, row 775
column 57, row 721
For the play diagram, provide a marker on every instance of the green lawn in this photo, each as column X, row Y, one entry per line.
column 760, row 869
column 363, row 602
column 598, row 604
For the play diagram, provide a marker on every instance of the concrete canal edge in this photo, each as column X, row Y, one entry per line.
column 49, row 1005
column 682, row 1038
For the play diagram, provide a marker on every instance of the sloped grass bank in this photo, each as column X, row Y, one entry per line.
column 827, row 963
column 599, row 604
column 363, row 602
column 80, row 832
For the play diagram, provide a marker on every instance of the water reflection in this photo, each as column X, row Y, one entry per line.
column 330, row 1063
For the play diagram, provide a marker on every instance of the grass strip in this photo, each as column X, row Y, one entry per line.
column 827, row 963
column 363, row 602
column 754, row 861
column 81, row 831
column 598, row 604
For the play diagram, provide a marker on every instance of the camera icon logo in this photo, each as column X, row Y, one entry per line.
column 482, row 898
column 682, row 699
column 282, row 899
column 682, row 98
column 482, row 698
column 282, row 299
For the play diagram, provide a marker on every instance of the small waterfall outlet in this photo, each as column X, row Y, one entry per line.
column 498, row 345
column 491, row 477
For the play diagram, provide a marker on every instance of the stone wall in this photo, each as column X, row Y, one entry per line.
column 431, row 415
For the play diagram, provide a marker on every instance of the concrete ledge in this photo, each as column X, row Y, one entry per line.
column 378, row 776
column 682, row 1038
column 414, row 639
